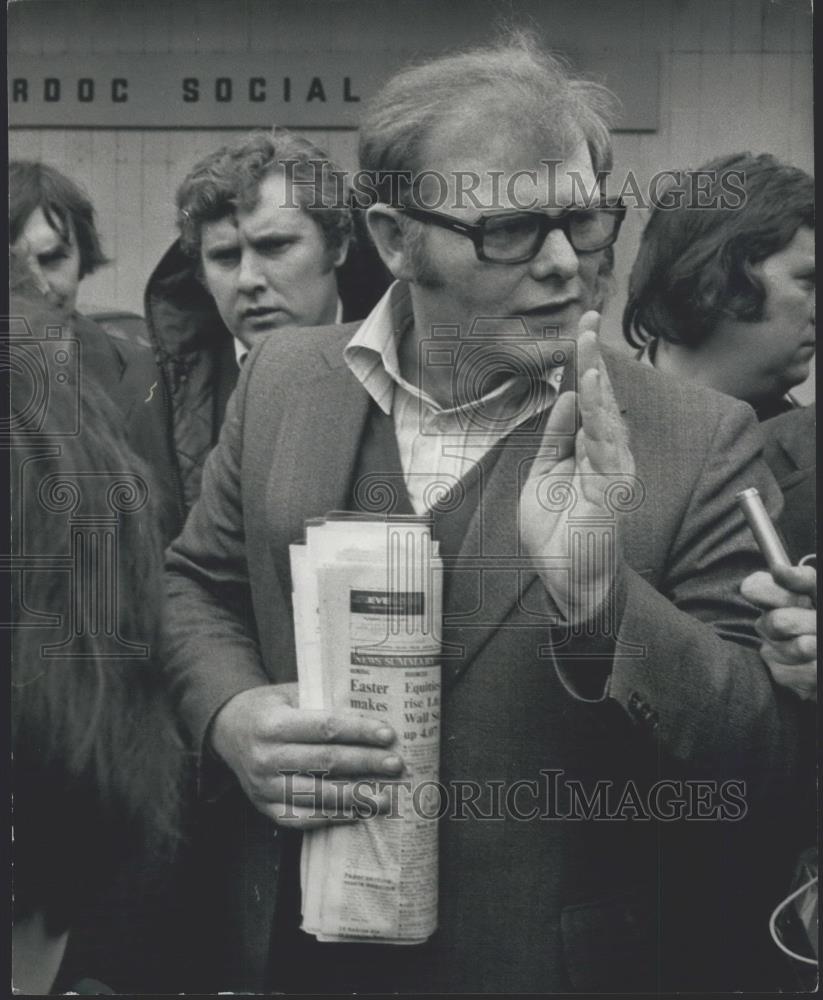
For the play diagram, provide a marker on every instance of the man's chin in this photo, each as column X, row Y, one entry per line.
column 250, row 333
column 800, row 369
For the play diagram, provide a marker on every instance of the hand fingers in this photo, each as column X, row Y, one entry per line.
column 787, row 623
column 606, row 440
column 593, row 414
column 302, row 818
column 797, row 579
column 306, row 802
column 335, row 760
column 312, row 726
column 801, row 678
column 803, row 649
column 590, row 358
column 587, row 350
column 558, row 435
column 761, row 590
column 324, row 794
column 590, row 320
column 289, row 694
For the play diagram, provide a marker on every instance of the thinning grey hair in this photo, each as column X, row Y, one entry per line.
column 516, row 82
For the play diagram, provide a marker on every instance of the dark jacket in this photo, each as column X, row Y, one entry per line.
column 127, row 372
column 198, row 369
column 123, row 369
column 791, row 454
column 767, row 410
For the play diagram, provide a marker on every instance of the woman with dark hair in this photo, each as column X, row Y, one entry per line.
column 722, row 290
column 97, row 759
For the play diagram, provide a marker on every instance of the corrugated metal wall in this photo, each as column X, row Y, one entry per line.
column 735, row 74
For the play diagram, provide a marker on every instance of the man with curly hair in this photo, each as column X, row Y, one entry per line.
column 265, row 234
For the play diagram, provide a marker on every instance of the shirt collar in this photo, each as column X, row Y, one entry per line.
column 372, row 357
column 371, row 354
column 240, row 350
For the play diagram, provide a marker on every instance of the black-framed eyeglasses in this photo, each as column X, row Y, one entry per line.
column 516, row 237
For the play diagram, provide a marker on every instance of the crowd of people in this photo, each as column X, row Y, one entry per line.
column 155, row 829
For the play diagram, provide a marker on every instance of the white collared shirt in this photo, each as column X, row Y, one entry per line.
column 240, row 349
column 437, row 446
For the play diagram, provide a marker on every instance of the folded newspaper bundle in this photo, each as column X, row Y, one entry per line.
column 367, row 598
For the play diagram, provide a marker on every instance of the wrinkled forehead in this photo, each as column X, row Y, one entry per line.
column 483, row 159
column 256, row 195
column 277, row 212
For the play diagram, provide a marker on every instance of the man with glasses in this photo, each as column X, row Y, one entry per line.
column 594, row 638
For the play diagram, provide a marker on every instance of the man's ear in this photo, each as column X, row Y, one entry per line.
column 340, row 254
column 385, row 229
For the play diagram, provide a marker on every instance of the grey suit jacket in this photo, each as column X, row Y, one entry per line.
column 688, row 683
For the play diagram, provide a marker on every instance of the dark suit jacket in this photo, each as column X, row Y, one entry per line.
column 791, row 454
column 689, row 695
column 129, row 376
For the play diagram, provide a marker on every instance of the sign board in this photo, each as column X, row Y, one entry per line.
column 298, row 90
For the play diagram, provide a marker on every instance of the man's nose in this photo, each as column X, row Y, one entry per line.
column 250, row 277
column 557, row 258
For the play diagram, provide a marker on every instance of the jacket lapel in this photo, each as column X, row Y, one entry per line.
column 315, row 454
column 225, row 380
column 797, row 448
